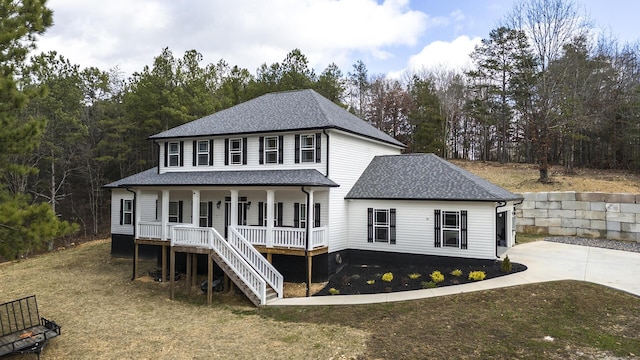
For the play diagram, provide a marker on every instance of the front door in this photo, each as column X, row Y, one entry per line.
column 242, row 214
column 501, row 228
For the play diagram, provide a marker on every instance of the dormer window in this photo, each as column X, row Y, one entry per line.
column 307, row 148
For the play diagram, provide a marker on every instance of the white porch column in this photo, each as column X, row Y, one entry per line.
column 195, row 207
column 234, row 208
column 270, row 217
column 309, row 220
column 137, row 211
column 164, row 218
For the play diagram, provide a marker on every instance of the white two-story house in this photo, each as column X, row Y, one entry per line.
column 306, row 184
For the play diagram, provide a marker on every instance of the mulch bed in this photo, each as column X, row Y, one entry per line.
column 355, row 279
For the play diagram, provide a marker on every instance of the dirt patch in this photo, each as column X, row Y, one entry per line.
column 300, row 289
column 524, row 178
column 356, row 279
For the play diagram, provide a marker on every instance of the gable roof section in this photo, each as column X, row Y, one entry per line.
column 281, row 111
column 299, row 177
column 423, row 177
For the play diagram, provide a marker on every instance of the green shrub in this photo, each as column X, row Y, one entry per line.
column 334, row 291
column 456, row 272
column 428, row 284
column 387, row 277
column 437, row 277
column 505, row 266
column 477, row 275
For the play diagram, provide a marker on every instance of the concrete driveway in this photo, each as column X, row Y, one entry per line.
column 546, row 261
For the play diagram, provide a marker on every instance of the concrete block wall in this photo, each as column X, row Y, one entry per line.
column 592, row 214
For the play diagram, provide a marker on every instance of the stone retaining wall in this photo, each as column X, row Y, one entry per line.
column 594, row 214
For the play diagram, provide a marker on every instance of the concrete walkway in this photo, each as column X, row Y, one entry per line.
column 546, row 261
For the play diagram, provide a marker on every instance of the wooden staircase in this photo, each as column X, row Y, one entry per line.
column 271, row 293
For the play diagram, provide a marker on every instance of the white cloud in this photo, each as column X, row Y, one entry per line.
column 242, row 32
column 442, row 54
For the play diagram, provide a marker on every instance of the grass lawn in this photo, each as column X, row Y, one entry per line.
column 104, row 315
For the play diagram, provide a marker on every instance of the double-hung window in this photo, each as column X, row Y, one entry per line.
column 127, row 212
column 450, row 229
column 204, row 214
column 271, row 149
column 308, row 148
column 174, row 154
column 235, row 151
column 381, row 225
column 203, row 152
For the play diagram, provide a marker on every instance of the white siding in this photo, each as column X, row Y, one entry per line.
column 253, row 156
column 349, row 156
column 415, row 227
column 146, row 204
column 116, row 196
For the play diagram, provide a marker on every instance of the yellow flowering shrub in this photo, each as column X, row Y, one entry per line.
column 371, row 282
column 414, row 276
column 456, row 272
column 437, row 277
column 387, row 277
column 334, row 291
column 477, row 275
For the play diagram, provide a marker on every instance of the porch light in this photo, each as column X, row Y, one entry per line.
column 249, row 204
column 218, row 204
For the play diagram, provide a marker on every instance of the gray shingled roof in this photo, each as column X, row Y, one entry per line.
column 423, row 177
column 300, row 177
column 281, row 111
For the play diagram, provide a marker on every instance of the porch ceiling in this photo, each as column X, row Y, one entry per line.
column 297, row 177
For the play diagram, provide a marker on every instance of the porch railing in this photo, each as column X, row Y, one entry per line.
column 284, row 237
column 257, row 260
column 153, row 229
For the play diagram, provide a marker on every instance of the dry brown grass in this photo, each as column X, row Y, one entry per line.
column 104, row 315
column 524, row 178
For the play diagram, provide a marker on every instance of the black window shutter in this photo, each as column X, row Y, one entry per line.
column 210, row 214
column 436, row 228
column 180, row 204
column 244, row 151
column 370, row 225
column 121, row 211
column 296, row 214
column 463, row 229
column 392, row 226
column 316, row 215
column 226, row 151
column 195, row 153
column 261, row 214
column 297, row 149
column 211, row 152
column 280, row 149
column 318, row 148
column 261, row 155
column 181, row 153
column 280, row 214
column 166, row 154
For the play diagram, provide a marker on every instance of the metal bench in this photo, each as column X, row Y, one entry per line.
column 22, row 330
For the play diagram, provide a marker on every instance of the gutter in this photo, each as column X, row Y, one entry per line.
column 133, row 221
column 306, row 246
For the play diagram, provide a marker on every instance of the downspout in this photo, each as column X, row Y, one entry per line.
column 499, row 204
column 324, row 131
column 133, row 221
column 306, row 245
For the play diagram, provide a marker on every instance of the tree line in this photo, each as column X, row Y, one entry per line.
column 542, row 90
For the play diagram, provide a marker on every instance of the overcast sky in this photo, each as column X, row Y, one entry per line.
column 388, row 36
